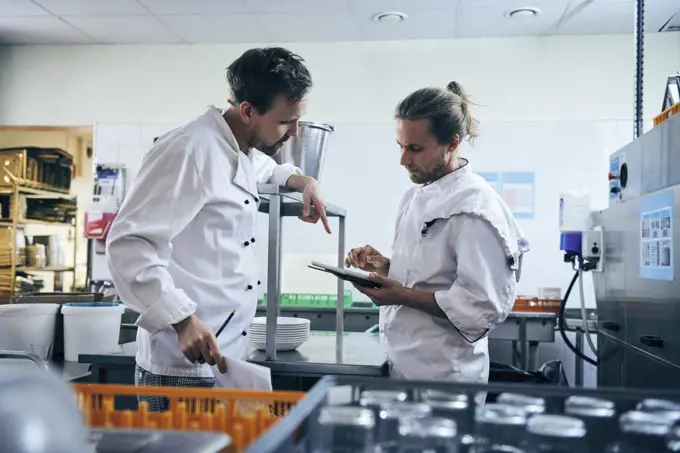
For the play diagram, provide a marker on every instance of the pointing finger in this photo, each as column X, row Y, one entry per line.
column 324, row 219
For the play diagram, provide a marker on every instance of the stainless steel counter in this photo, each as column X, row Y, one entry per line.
column 70, row 371
column 526, row 330
column 66, row 371
column 354, row 354
column 358, row 354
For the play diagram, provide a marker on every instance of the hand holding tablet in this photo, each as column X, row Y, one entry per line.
column 343, row 274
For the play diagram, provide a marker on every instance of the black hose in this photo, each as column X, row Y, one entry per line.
column 569, row 344
column 561, row 324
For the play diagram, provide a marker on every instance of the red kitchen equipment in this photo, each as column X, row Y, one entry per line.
column 108, row 195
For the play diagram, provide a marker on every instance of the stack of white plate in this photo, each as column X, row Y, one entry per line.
column 291, row 333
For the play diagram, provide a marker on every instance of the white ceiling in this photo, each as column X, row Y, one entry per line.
column 233, row 21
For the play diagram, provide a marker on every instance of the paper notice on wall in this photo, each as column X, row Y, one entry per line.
column 516, row 189
column 656, row 237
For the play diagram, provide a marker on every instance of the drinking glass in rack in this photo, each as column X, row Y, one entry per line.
column 427, row 435
column 643, row 432
column 556, row 434
column 392, row 415
column 346, row 429
column 599, row 416
column 499, row 428
column 531, row 404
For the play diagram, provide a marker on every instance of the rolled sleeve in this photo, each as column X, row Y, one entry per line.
column 483, row 293
column 282, row 172
column 169, row 310
column 268, row 171
column 166, row 196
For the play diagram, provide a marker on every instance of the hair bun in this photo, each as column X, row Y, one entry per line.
column 455, row 88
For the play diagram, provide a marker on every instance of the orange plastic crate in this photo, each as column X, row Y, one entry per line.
column 663, row 116
column 524, row 304
column 242, row 414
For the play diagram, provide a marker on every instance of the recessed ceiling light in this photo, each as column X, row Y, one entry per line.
column 522, row 13
column 390, row 17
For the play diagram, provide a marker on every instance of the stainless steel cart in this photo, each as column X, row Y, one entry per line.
column 281, row 202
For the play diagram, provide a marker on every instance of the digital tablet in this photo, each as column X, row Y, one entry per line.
column 349, row 276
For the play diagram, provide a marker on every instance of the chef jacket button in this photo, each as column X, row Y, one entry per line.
column 246, row 244
column 259, row 282
column 252, row 240
column 249, row 287
column 247, row 202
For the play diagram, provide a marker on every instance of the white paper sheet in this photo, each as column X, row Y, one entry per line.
column 243, row 375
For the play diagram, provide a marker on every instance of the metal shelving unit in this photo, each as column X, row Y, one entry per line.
column 33, row 192
column 16, row 222
column 281, row 202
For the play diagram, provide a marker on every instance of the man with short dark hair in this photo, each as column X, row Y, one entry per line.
column 182, row 248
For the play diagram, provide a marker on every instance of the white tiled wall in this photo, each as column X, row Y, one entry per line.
column 564, row 156
column 126, row 143
column 122, row 144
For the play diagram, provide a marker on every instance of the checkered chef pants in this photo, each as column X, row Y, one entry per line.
column 159, row 403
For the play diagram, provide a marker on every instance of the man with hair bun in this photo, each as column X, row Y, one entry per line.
column 457, row 251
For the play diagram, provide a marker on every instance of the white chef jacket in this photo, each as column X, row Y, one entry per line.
column 457, row 239
column 184, row 241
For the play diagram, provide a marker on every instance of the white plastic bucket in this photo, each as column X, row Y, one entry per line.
column 91, row 328
column 28, row 328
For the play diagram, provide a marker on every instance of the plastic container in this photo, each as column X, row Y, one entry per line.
column 91, row 328
column 244, row 415
column 574, row 212
column 525, row 304
column 666, row 114
column 312, row 299
column 28, row 328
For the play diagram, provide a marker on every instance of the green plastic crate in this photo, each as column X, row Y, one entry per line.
column 312, row 300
